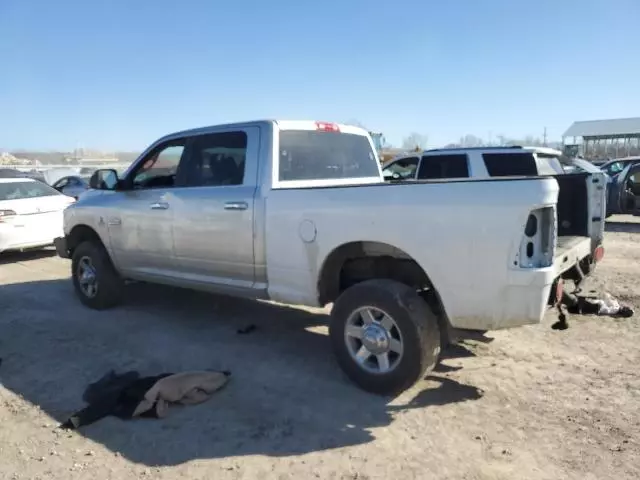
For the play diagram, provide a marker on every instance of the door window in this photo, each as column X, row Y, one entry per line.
column 159, row 168
column 217, row 160
column 63, row 182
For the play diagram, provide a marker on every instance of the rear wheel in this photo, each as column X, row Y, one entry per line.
column 95, row 279
column 384, row 335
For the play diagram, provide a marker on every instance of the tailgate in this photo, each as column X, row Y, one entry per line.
column 569, row 251
column 597, row 194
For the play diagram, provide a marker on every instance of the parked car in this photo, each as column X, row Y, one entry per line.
column 72, row 186
column 583, row 195
column 615, row 166
column 30, row 213
column 476, row 162
column 298, row 212
column 624, row 191
column 11, row 173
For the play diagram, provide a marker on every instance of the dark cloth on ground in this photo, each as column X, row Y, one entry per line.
column 128, row 395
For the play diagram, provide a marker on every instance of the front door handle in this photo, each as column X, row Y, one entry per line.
column 236, row 206
column 159, row 206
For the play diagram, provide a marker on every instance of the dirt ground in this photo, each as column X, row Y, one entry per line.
column 530, row 403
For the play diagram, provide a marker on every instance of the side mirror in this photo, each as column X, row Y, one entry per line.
column 105, row 179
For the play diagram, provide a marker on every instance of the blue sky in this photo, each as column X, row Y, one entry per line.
column 117, row 74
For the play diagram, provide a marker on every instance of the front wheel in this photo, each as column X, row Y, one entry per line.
column 95, row 279
column 384, row 335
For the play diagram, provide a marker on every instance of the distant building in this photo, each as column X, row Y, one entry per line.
column 598, row 139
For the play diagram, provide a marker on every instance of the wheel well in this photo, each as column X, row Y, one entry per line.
column 356, row 262
column 79, row 234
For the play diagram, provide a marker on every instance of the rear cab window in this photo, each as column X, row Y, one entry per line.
column 324, row 154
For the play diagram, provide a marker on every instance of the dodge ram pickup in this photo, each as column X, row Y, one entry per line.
column 298, row 212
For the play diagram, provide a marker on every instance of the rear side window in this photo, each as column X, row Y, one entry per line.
column 318, row 155
column 443, row 166
column 18, row 190
column 549, row 164
column 510, row 164
column 217, row 159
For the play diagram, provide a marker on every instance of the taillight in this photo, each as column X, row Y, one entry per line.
column 598, row 255
column 6, row 215
column 327, row 127
column 537, row 247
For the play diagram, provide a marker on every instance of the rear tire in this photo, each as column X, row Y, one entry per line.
column 413, row 331
column 95, row 279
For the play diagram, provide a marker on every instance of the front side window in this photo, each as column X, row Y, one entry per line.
column 217, row 159
column 403, row 168
column 159, row 168
column 319, row 155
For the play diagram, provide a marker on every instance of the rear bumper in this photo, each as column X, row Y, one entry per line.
column 61, row 247
column 14, row 238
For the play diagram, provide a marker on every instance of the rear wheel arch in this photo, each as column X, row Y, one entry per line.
column 355, row 262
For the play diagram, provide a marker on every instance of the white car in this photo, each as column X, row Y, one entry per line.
column 30, row 213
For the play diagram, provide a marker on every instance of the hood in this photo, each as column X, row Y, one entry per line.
column 52, row 175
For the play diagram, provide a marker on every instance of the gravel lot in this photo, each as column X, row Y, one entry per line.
column 527, row 403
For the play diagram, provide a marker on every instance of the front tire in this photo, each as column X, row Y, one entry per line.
column 384, row 335
column 95, row 279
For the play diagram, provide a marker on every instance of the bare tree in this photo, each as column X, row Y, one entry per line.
column 415, row 141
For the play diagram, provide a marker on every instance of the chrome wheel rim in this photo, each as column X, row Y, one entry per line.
column 87, row 277
column 374, row 340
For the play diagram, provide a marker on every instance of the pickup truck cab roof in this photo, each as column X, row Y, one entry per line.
column 298, row 212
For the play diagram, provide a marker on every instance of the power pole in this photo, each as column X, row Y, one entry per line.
column 544, row 137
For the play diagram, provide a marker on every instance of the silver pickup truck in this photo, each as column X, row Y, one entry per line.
column 298, row 212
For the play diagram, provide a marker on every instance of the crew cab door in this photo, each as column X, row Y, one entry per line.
column 213, row 226
column 141, row 213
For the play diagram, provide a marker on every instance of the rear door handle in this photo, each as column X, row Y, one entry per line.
column 159, row 206
column 236, row 206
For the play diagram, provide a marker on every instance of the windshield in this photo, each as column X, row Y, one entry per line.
column 613, row 168
column 317, row 155
column 19, row 190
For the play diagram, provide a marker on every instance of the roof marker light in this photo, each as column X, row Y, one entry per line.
column 327, row 127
